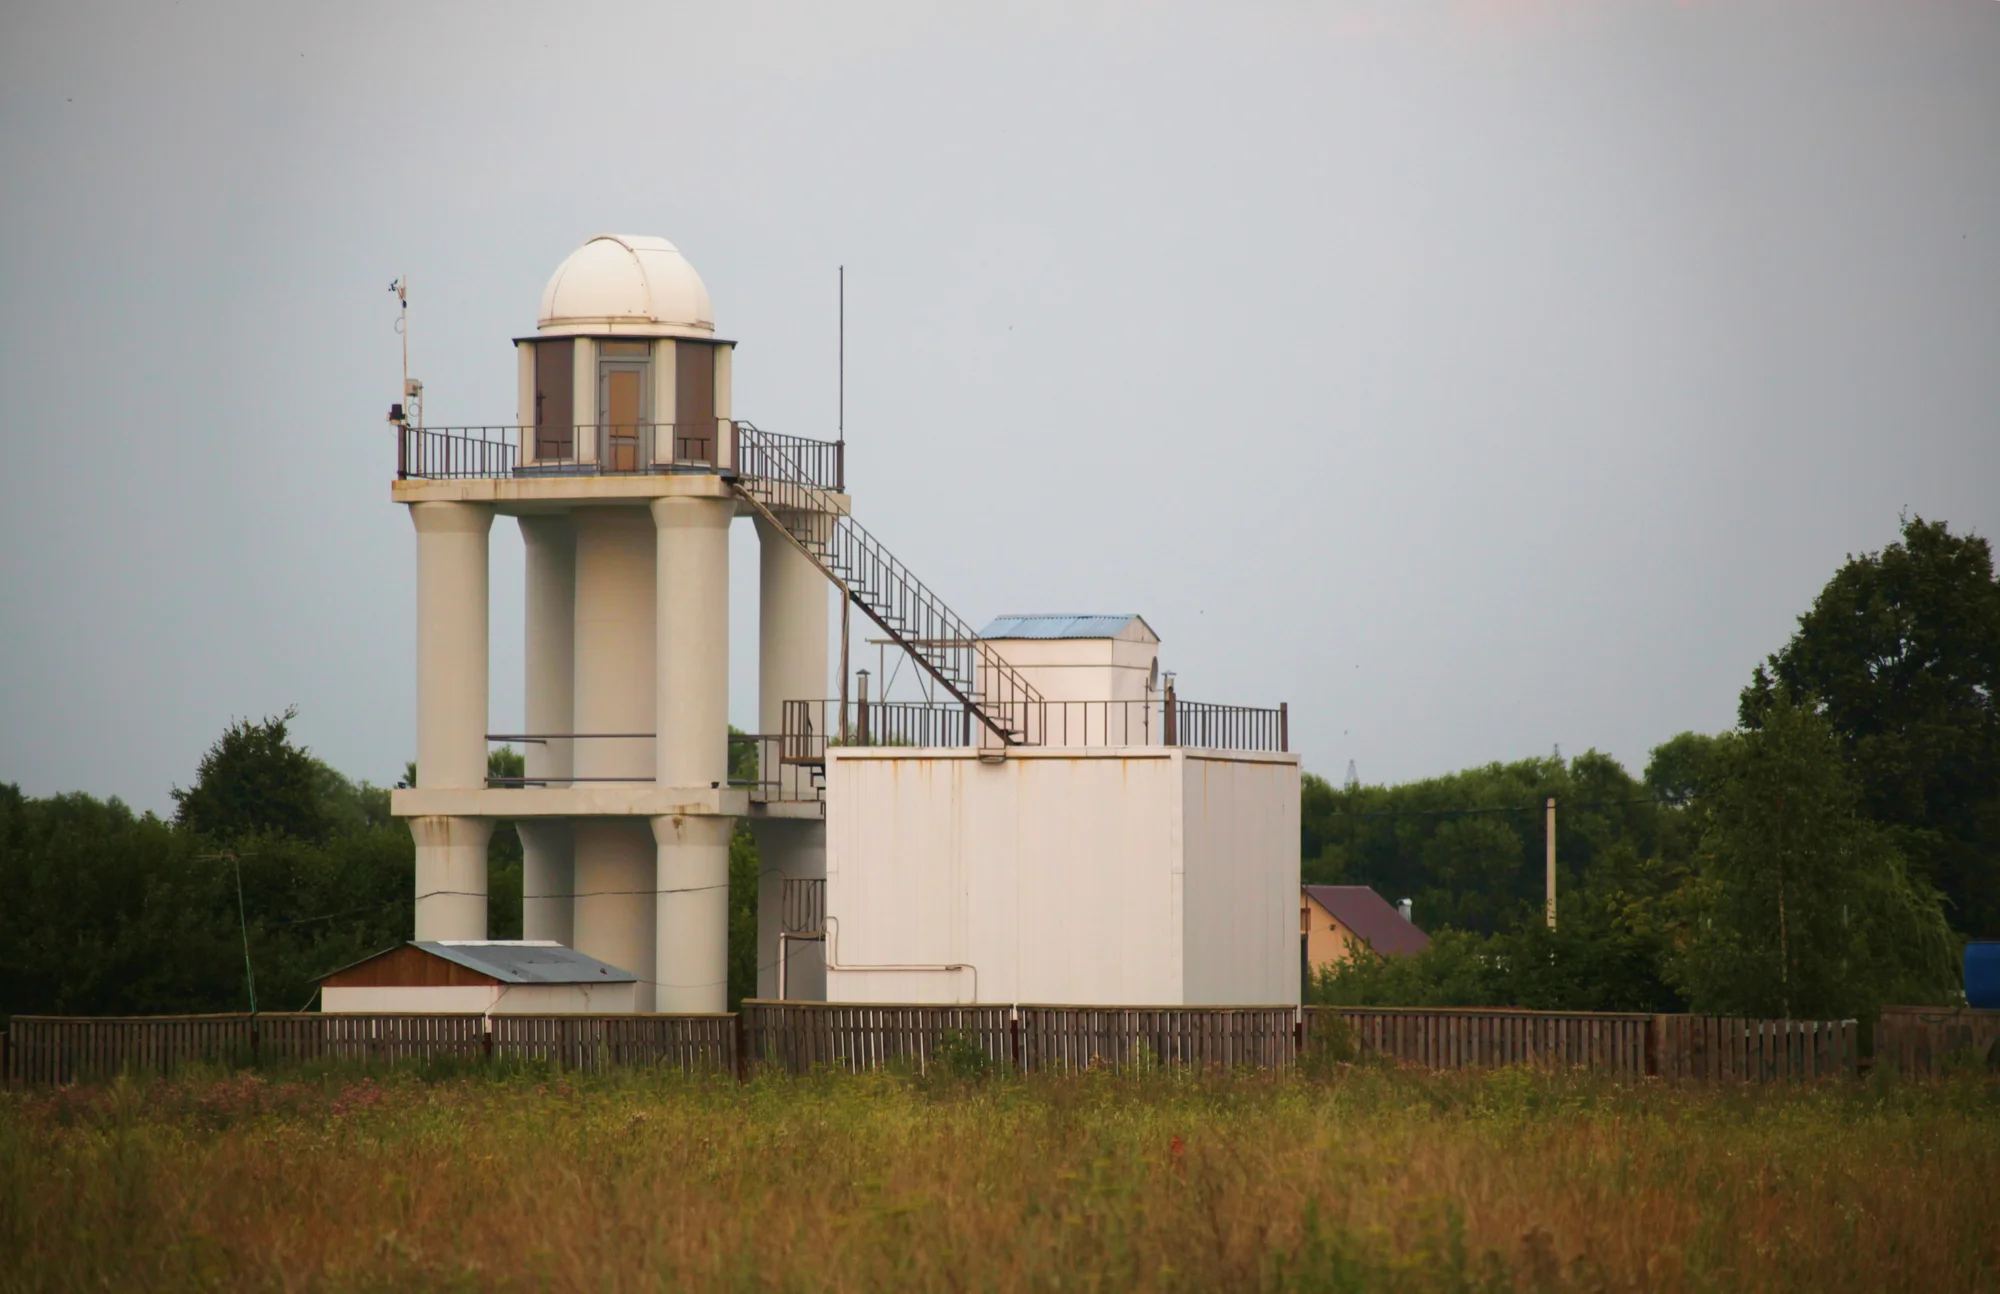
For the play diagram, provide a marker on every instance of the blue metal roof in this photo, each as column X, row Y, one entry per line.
column 523, row 961
column 1056, row 626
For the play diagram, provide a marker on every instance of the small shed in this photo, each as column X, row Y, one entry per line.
column 489, row 976
column 1080, row 657
column 1339, row 921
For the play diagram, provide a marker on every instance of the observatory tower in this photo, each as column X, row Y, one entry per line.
column 1036, row 816
column 618, row 475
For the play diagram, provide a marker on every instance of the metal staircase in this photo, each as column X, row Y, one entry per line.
column 792, row 483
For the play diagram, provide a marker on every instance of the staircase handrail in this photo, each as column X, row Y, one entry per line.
column 772, row 477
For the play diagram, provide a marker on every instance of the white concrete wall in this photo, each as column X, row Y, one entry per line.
column 566, row 999
column 1081, row 669
column 1053, row 876
column 1241, row 862
column 494, row 999
column 1135, row 876
column 393, row 1000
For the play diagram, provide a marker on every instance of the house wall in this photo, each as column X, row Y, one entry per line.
column 1327, row 940
column 1139, row 876
column 1241, row 813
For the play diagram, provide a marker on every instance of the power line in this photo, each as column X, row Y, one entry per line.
column 1510, row 808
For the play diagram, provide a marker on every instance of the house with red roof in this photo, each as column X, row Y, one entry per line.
column 1337, row 922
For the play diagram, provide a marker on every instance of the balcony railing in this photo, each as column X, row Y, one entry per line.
column 615, row 449
column 811, row 726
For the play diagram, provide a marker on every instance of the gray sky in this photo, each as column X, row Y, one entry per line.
column 1473, row 376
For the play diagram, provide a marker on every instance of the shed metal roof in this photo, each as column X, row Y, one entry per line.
column 527, row 961
column 1059, row 626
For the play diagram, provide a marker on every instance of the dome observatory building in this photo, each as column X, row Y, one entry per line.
column 1035, row 816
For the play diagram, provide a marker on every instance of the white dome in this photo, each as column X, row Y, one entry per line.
column 636, row 286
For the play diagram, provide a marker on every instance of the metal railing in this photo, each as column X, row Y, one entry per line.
column 456, row 453
column 614, row 449
column 766, row 454
column 555, row 763
column 802, row 907
column 812, row 726
column 785, row 492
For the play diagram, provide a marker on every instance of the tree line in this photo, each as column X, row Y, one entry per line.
column 1827, row 856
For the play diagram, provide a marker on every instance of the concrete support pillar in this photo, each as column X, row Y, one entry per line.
column 451, row 876
column 451, row 643
column 548, row 879
column 692, row 927
column 613, row 665
column 549, row 688
column 691, row 930
column 693, row 640
column 792, row 666
column 614, row 897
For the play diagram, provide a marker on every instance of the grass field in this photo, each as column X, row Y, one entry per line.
column 1361, row 1178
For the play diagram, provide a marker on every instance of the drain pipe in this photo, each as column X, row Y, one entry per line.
column 784, row 937
column 833, row 963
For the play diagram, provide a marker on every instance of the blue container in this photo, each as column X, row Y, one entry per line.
column 1982, row 974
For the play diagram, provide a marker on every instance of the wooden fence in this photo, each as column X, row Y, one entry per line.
column 1602, row 1042
column 800, row 1036
column 1721, row 1048
column 1072, row 1038
column 58, row 1049
column 695, row 1044
column 1923, row 1040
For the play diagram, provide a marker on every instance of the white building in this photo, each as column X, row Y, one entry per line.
column 1048, row 822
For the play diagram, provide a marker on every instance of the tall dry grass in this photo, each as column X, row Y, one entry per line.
column 1363, row 1179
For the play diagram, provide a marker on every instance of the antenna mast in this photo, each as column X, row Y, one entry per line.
column 840, row 425
column 840, row 415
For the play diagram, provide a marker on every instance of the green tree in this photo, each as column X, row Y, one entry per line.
column 254, row 781
column 1468, row 848
column 1902, row 651
column 1799, row 905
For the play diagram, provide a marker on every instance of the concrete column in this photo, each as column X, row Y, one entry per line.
column 613, row 664
column 791, row 666
column 451, row 643
column 549, row 688
column 693, row 640
column 614, row 897
column 451, row 876
column 691, row 928
column 548, row 879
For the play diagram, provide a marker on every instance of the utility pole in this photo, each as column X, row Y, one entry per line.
column 1550, row 831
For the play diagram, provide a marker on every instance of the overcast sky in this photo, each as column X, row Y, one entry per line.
column 1476, row 377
